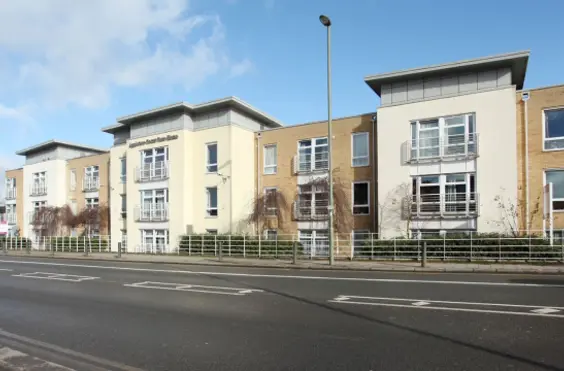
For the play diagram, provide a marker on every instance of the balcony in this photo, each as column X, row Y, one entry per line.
column 12, row 218
column 152, row 172
column 444, row 206
column 157, row 212
column 38, row 189
column 11, row 193
column 311, row 210
column 90, row 184
column 305, row 164
column 444, row 148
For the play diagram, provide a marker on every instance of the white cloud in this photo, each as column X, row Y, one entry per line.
column 71, row 51
column 15, row 114
column 241, row 68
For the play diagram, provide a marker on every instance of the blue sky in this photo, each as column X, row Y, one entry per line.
column 71, row 67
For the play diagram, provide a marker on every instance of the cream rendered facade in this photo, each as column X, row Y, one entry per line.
column 230, row 128
column 484, row 166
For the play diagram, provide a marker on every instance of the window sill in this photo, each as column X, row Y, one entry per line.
column 361, row 214
column 353, row 166
column 553, row 150
column 269, row 173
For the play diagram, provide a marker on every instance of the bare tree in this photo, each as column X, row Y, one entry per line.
column 270, row 204
column 513, row 215
column 59, row 221
column 395, row 210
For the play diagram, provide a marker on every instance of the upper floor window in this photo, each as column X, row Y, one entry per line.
column 10, row 188
column 270, row 159
column 446, row 193
column 153, row 196
column 361, row 198
column 154, row 155
column 360, row 143
column 211, row 209
column 313, row 154
column 554, row 129
column 556, row 177
column 270, row 200
column 451, row 136
column 92, row 202
column 123, row 170
column 211, row 157
column 92, row 171
column 10, row 183
column 39, row 178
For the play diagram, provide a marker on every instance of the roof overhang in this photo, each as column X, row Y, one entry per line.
column 516, row 61
column 183, row 107
column 57, row 143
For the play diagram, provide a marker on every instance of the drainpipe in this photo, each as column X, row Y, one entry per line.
column 374, row 180
column 525, row 98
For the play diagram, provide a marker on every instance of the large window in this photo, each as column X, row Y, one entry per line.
column 270, row 159
column 91, row 178
column 154, row 240
column 361, row 198
column 154, row 205
column 154, row 164
column 554, row 129
column 39, row 185
column 10, row 188
column 313, row 201
column 92, row 171
column 211, row 157
column 314, row 242
column 446, row 193
column 211, row 195
column 313, row 154
column 556, row 177
column 360, row 144
column 443, row 137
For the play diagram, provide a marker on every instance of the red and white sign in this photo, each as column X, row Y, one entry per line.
column 3, row 228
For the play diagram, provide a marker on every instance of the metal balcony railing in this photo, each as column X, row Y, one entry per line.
column 11, row 193
column 443, row 148
column 311, row 163
column 152, row 172
column 454, row 205
column 38, row 189
column 90, row 184
column 157, row 212
column 12, row 218
column 311, row 210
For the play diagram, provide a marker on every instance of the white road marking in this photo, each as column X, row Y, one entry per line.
column 540, row 311
column 56, row 276
column 326, row 278
column 15, row 360
column 5, row 269
column 171, row 286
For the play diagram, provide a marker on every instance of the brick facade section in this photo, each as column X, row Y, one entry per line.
column 539, row 160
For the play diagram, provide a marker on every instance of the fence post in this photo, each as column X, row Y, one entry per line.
column 424, row 256
column 85, row 248
column 530, row 249
column 259, row 246
column 371, row 246
column 76, row 244
column 294, row 251
column 562, row 247
column 499, row 248
column 244, row 246
column 99, row 244
column 189, row 245
column 351, row 242
column 276, row 247
column 395, row 250
column 119, row 250
column 27, row 246
column 51, row 246
column 202, row 245
column 5, row 246
column 444, row 247
column 471, row 246
column 220, row 252
column 215, row 244
column 229, row 241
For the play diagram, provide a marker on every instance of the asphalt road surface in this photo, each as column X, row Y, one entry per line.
column 64, row 314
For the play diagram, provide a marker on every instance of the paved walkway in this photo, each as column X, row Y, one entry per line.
column 360, row 265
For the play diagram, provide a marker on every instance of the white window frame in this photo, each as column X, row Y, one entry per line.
column 209, row 208
column 367, row 135
column 270, row 231
column 123, row 170
column 553, row 199
column 92, row 171
column 92, row 202
column 73, row 180
column 544, row 138
column 442, row 184
column 313, row 150
column 158, row 237
column 11, row 182
column 314, row 198
column 363, row 205
column 275, row 209
column 270, row 169
column 212, row 168
column 40, row 180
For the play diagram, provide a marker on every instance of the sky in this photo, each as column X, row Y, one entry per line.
column 70, row 67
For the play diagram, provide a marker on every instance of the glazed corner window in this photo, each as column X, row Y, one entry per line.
column 211, row 193
column 211, row 157
column 360, row 142
column 556, row 177
column 554, row 129
column 361, row 198
column 270, row 160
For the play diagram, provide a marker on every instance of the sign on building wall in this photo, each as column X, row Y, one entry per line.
column 153, row 141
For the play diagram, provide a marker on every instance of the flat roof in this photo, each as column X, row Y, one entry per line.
column 57, row 143
column 517, row 61
column 183, row 107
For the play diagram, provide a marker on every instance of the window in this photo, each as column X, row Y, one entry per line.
column 211, row 157
column 39, row 185
column 314, row 242
column 271, row 234
column 91, row 202
column 446, row 193
column 270, row 201
column 554, row 129
column 92, row 171
column 360, row 144
column 211, row 231
column 270, row 159
column 211, row 193
column 91, row 178
column 154, row 240
column 313, row 200
column 313, row 154
column 556, row 177
column 154, row 164
column 361, row 198
column 154, row 205
column 443, row 137
column 73, row 180
column 151, row 197
column 123, row 170
column 10, row 188
column 123, row 203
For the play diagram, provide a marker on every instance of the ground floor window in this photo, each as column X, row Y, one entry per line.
column 556, row 177
column 271, row 234
column 315, row 243
column 154, row 240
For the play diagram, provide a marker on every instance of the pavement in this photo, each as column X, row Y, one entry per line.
column 101, row 315
column 361, row 265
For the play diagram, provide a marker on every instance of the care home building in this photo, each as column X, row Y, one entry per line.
column 446, row 139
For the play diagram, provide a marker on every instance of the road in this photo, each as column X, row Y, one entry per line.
column 129, row 316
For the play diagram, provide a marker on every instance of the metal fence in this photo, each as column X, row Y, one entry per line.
column 98, row 244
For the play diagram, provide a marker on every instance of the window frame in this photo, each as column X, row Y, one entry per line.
column 264, row 165
column 266, row 208
column 313, row 150
column 210, row 209
column 360, row 133
column 90, row 204
column 212, row 165
column 270, row 230
column 544, row 138
column 367, row 182
column 442, row 183
column 553, row 199
column 123, row 170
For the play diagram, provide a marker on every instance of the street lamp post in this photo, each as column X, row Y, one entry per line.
column 325, row 21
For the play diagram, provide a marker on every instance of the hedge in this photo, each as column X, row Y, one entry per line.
column 207, row 244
